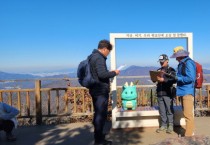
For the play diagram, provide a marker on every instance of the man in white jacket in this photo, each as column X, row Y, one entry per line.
column 8, row 120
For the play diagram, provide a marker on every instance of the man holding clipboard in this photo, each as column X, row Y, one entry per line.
column 165, row 78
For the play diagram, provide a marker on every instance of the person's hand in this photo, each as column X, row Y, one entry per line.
column 161, row 73
column 117, row 72
column 160, row 79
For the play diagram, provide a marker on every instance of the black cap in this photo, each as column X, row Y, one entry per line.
column 163, row 58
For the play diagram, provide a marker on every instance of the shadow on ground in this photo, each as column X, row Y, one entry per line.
column 70, row 134
column 127, row 136
column 82, row 134
column 65, row 134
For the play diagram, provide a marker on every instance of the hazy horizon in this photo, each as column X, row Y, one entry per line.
column 69, row 70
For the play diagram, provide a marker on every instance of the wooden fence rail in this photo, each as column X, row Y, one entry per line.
column 70, row 101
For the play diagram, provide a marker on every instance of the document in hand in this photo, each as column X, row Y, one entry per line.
column 154, row 74
column 121, row 67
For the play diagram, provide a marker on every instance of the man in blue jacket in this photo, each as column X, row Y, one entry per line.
column 186, row 86
column 8, row 120
column 100, row 90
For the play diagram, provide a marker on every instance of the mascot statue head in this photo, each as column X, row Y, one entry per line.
column 129, row 95
column 129, row 92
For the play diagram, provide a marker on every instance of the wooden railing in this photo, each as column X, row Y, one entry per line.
column 48, row 102
column 70, row 101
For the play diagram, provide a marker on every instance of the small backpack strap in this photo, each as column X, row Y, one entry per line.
column 184, row 67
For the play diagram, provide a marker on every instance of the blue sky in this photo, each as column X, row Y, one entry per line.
column 52, row 35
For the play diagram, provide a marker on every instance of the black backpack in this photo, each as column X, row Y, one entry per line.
column 84, row 74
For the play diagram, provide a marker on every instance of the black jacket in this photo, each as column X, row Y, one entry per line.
column 100, row 73
column 165, row 88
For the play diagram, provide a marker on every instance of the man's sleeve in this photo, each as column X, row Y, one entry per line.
column 170, row 77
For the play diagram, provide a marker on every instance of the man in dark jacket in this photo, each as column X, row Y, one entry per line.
column 100, row 90
column 164, row 94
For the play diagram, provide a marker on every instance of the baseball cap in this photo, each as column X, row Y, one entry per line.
column 163, row 58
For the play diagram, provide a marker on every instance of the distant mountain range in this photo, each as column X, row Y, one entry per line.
column 11, row 76
column 130, row 71
column 14, row 76
column 137, row 70
column 16, row 81
column 142, row 71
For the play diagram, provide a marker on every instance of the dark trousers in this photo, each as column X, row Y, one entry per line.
column 166, row 110
column 100, row 103
column 6, row 125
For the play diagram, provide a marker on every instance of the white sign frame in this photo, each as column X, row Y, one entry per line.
column 114, row 36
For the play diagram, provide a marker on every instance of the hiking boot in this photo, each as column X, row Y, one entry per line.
column 11, row 137
column 104, row 142
column 161, row 129
column 181, row 132
column 170, row 129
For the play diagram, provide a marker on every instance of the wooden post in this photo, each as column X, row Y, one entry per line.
column 66, row 102
column 75, row 105
column 151, row 96
column 208, row 94
column 48, row 102
column 200, row 98
column 57, row 101
column 28, row 103
column 139, row 98
column 143, row 97
column 38, row 102
column 83, row 101
column 1, row 98
column 10, row 98
column 19, row 103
